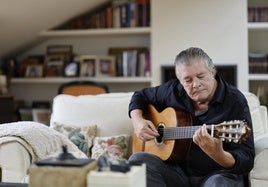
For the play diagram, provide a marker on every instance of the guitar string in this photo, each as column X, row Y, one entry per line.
column 178, row 132
column 188, row 132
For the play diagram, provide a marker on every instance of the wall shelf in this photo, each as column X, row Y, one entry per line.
column 258, row 26
column 258, row 77
column 96, row 32
column 55, row 80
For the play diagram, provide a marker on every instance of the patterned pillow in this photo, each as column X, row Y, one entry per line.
column 82, row 137
column 115, row 146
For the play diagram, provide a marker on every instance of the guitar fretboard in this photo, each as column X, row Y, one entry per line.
column 184, row 132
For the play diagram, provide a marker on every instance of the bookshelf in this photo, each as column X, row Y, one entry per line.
column 80, row 39
column 257, row 43
column 135, row 37
column 86, row 41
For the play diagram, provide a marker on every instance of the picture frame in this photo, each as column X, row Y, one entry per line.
column 87, row 65
column 106, row 66
column 54, row 65
column 34, row 70
column 24, row 63
column 71, row 69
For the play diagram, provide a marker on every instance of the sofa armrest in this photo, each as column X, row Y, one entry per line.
column 259, row 173
column 263, row 111
column 14, row 162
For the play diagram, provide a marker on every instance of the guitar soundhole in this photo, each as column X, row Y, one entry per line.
column 159, row 139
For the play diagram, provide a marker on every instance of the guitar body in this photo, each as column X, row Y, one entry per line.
column 166, row 149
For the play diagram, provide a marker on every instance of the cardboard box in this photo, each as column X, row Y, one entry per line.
column 60, row 176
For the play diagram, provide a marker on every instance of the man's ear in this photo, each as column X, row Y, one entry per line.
column 213, row 71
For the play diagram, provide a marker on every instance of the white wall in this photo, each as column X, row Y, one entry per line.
column 219, row 27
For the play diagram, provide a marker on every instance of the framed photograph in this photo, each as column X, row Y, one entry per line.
column 23, row 64
column 87, row 65
column 66, row 50
column 34, row 70
column 106, row 66
column 71, row 69
column 54, row 65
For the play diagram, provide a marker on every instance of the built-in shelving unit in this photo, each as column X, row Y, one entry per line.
column 91, row 33
column 257, row 26
column 257, row 42
column 93, row 41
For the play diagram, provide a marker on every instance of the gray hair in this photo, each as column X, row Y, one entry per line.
column 185, row 56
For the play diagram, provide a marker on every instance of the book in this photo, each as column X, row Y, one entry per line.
column 258, row 63
column 128, row 60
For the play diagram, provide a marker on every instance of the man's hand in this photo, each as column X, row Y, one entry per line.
column 143, row 128
column 206, row 142
column 213, row 147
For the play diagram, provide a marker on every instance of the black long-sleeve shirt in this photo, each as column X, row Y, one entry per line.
column 227, row 104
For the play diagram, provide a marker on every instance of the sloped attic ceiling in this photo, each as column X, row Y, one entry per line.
column 22, row 21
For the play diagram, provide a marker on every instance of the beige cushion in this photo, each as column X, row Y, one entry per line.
column 108, row 111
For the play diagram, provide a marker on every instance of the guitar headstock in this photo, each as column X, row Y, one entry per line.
column 236, row 131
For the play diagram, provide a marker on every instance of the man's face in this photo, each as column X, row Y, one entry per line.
column 197, row 80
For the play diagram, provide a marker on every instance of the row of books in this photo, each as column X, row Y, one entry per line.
column 257, row 14
column 133, row 13
column 258, row 63
column 132, row 62
column 114, row 14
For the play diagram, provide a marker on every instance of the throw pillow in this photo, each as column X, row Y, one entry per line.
column 82, row 137
column 115, row 146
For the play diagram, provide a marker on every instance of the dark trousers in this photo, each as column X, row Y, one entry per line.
column 163, row 174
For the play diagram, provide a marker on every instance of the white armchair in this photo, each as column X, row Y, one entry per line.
column 259, row 174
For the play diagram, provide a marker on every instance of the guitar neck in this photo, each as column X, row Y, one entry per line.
column 184, row 132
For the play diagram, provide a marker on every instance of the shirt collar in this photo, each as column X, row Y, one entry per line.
column 220, row 91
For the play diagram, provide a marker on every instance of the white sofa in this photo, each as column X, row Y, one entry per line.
column 110, row 113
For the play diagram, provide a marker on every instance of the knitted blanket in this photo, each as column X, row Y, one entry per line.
column 38, row 139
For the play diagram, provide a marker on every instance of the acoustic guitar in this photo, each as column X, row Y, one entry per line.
column 176, row 131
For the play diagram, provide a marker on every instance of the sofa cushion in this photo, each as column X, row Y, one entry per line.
column 82, row 137
column 108, row 111
column 115, row 146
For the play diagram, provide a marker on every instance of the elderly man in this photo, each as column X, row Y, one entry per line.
column 208, row 99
